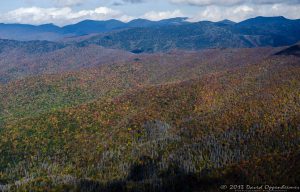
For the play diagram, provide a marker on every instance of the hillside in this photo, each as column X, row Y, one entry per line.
column 155, row 122
column 21, row 59
column 106, row 75
column 292, row 50
column 29, row 47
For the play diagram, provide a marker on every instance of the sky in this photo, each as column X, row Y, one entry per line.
column 64, row 12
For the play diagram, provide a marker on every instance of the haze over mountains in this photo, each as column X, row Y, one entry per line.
column 151, row 36
column 52, row 32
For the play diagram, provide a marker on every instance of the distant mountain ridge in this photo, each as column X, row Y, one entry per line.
column 141, row 35
column 52, row 32
column 256, row 32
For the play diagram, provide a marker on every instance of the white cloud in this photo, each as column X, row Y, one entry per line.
column 60, row 16
column 69, row 2
column 234, row 2
column 207, row 2
column 242, row 12
column 155, row 16
column 233, row 10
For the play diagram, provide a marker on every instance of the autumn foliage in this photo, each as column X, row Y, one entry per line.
column 153, row 122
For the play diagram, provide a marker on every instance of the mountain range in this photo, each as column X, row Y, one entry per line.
column 143, row 35
column 149, row 106
column 53, row 32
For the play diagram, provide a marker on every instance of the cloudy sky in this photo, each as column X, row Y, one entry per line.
column 62, row 12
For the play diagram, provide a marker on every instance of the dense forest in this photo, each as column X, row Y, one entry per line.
column 145, row 123
column 137, row 108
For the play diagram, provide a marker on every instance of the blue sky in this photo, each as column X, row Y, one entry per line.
column 63, row 12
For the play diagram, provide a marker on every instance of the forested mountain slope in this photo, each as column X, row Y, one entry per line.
column 18, row 61
column 117, row 72
column 155, row 122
